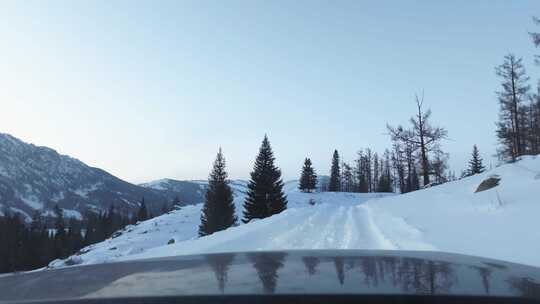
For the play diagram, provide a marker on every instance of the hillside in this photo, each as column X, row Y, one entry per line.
column 501, row 222
column 34, row 178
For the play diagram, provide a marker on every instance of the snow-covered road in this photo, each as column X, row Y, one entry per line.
column 345, row 225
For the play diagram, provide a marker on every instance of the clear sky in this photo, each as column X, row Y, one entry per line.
column 151, row 89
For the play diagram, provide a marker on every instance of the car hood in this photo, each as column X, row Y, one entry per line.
column 312, row 272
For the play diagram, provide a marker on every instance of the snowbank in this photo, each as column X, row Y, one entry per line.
column 502, row 222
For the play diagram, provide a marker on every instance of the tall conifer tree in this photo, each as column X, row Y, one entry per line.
column 475, row 164
column 142, row 214
column 218, row 211
column 60, row 236
column 265, row 196
column 335, row 174
column 308, row 178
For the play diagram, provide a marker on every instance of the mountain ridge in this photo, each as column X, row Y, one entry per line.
column 36, row 178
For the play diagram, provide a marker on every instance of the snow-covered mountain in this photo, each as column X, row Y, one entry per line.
column 500, row 222
column 192, row 191
column 36, row 178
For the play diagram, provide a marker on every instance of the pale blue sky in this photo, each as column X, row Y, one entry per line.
column 151, row 89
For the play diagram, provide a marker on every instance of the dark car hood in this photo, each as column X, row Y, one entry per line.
column 336, row 272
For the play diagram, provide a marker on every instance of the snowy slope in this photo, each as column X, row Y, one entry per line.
column 499, row 223
column 502, row 223
column 182, row 225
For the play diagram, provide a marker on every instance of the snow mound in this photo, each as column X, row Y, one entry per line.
column 500, row 222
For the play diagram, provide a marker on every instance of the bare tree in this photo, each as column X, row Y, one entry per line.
column 439, row 166
column 536, row 38
column 399, row 167
column 422, row 137
column 348, row 184
column 511, row 127
column 534, row 122
column 534, row 108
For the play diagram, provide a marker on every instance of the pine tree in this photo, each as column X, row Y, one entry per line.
column 37, row 222
column 60, row 237
column 361, row 173
column 510, row 127
column 142, row 214
column 413, row 183
column 367, row 170
column 109, row 222
column 74, row 236
column 399, row 164
column 265, row 195
column 348, row 183
column 218, row 211
column 475, row 164
column 313, row 180
column 376, row 173
column 308, row 178
column 26, row 247
column 335, row 174
column 385, row 179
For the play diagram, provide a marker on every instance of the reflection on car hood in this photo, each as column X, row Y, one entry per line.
column 343, row 272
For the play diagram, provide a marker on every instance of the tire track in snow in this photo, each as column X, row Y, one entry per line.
column 328, row 235
column 290, row 239
column 380, row 241
column 331, row 226
column 349, row 235
column 395, row 232
column 325, row 226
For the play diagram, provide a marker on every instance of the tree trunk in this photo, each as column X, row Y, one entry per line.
column 423, row 152
column 517, row 135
